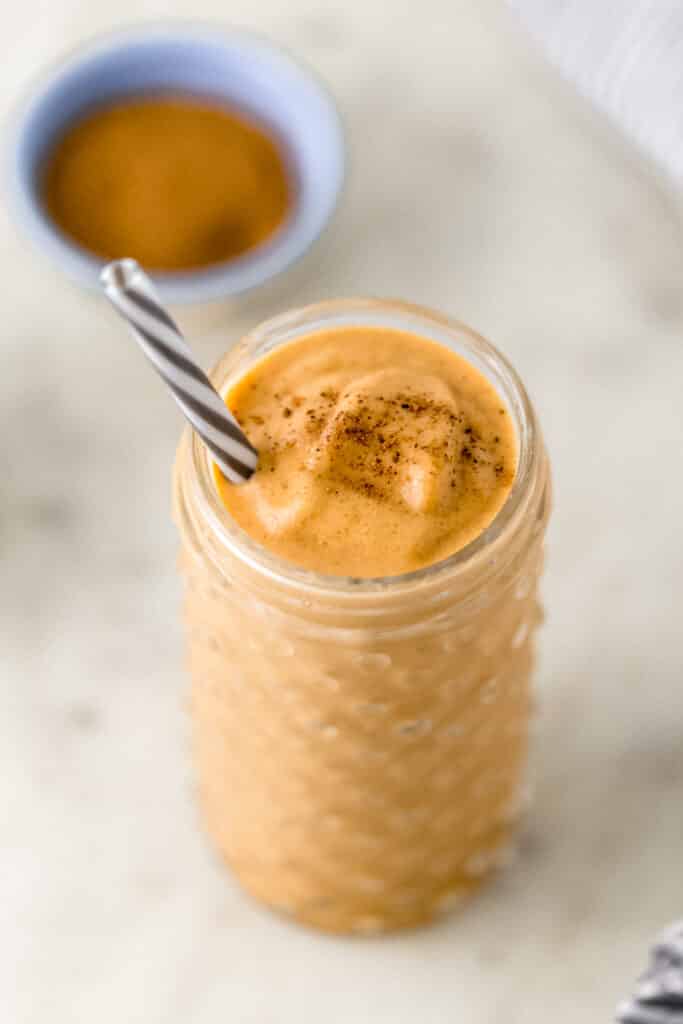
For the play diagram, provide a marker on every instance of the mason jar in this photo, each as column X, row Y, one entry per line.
column 360, row 744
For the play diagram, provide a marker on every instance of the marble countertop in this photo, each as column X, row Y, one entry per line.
column 478, row 184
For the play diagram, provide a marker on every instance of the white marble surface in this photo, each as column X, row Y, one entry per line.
column 478, row 185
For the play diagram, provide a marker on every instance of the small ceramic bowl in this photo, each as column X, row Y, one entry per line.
column 239, row 68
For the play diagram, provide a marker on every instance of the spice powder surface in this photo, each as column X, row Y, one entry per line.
column 176, row 182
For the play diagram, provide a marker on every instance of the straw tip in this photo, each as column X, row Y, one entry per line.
column 119, row 274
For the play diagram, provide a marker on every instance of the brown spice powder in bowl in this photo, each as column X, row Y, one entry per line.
column 258, row 173
column 176, row 182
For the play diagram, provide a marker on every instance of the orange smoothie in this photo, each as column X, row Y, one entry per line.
column 361, row 614
column 380, row 452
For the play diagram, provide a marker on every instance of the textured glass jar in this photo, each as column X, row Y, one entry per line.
column 360, row 744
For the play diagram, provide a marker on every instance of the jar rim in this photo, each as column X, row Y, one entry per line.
column 286, row 327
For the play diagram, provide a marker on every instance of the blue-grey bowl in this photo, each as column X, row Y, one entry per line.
column 245, row 71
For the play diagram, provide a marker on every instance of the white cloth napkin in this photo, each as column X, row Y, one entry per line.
column 658, row 998
column 626, row 56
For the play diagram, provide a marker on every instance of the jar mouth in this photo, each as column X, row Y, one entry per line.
column 403, row 316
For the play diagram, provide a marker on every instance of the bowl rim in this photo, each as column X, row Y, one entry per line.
column 221, row 281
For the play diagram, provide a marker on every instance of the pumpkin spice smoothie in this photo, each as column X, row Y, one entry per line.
column 380, row 452
column 361, row 613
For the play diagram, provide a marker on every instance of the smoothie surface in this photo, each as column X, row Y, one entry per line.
column 380, row 452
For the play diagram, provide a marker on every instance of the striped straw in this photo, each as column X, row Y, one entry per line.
column 132, row 294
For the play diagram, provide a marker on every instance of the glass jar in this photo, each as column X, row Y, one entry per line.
column 360, row 744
